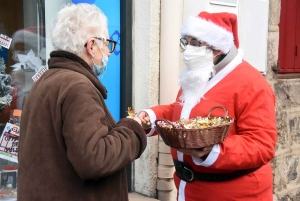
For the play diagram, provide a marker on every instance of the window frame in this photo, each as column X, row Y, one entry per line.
column 289, row 40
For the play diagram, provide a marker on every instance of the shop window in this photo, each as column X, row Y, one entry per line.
column 26, row 54
column 22, row 54
column 25, row 23
column 289, row 39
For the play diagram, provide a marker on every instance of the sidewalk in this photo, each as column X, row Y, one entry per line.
column 138, row 197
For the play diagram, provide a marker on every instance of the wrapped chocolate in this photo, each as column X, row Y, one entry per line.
column 131, row 112
column 196, row 123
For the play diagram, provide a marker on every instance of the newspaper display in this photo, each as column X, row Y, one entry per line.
column 9, row 142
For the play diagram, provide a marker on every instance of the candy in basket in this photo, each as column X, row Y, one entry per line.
column 195, row 133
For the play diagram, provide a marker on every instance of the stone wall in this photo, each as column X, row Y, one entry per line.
column 286, row 162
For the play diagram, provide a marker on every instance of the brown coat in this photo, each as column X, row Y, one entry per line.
column 71, row 148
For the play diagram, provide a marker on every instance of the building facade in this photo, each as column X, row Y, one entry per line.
column 156, row 70
column 269, row 34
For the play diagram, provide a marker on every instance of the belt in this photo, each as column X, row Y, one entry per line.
column 186, row 173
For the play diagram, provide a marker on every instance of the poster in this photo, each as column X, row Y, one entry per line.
column 9, row 142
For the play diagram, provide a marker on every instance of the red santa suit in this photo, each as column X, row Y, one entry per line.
column 249, row 99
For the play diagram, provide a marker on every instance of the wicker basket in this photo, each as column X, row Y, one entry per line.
column 194, row 138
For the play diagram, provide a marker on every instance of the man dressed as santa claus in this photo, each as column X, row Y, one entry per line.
column 216, row 75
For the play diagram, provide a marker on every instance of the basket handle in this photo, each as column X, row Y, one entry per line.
column 165, row 120
column 225, row 111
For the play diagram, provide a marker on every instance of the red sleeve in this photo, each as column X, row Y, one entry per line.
column 166, row 111
column 253, row 144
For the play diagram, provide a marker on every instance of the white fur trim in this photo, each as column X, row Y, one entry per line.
column 241, row 51
column 181, row 194
column 180, row 156
column 210, row 159
column 209, row 32
column 152, row 117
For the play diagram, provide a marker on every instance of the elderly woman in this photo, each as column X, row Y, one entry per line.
column 71, row 148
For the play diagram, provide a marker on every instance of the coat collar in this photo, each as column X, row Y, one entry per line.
column 70, row 61
column 228, row 58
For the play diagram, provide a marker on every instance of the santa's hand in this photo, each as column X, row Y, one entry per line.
column 145, row 119
column 204, row 151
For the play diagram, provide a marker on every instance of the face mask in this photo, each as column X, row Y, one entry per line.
column 100, row 70
column 196, row 57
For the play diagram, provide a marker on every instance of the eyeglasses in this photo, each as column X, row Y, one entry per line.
column 111, row 43
column 194, row 42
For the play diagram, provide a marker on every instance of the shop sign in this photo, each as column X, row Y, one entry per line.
column 5, row 41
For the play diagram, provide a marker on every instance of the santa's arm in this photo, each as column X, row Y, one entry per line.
column 254, row 143
column 161, row 112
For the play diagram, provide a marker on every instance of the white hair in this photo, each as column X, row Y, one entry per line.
column 75, row 24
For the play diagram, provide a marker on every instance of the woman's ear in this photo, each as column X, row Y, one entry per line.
column 90, row 48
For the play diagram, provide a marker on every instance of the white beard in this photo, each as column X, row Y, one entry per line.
column 193, row 82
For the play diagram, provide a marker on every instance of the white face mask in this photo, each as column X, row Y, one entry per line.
column 194, row 78
column 196, row 57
